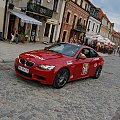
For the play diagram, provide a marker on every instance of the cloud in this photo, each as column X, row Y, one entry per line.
column 111, row 9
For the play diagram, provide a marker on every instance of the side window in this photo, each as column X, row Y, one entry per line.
column 93, row 54
column 86, row 52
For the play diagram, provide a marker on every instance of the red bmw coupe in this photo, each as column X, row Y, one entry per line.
column 59, row 63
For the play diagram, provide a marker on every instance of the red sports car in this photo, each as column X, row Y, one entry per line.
column 59, row 63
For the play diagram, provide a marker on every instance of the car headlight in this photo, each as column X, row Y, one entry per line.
column 46, row 67
column 18, row 56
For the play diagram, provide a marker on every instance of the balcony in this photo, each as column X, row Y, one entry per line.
column 81, row 28
column 36, row 8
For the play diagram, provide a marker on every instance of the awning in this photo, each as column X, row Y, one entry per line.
column 26, row 19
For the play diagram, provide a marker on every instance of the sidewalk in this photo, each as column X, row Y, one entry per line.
column 8, row 52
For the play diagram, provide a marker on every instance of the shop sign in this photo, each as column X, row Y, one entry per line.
column 52, row 21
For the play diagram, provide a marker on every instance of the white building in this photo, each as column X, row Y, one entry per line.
column 93, row 24
column 93, row 27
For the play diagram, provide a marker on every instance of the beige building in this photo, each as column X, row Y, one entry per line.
column 48, row 12
column 2, row 9
column 28, row 16
column 106, row 27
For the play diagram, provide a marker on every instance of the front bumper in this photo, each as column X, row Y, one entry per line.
column 35, row 73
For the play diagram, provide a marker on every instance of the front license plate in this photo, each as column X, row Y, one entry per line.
column 23, row 69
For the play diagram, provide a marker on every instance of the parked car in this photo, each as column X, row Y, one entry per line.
column 59, row 63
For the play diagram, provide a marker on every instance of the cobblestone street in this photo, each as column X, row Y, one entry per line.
column 87, row 99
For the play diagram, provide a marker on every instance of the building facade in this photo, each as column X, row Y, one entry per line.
column 94, row 23
column 2, row 10
column 48, row 12
column 74, row 21
column 116, row 37
column 40, row 10
column 107, row 26
column 54, row 24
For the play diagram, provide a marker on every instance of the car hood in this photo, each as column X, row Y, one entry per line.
column 45, row 57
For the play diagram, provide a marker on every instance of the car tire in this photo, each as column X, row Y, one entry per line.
column 97, row 73
column 61, row 78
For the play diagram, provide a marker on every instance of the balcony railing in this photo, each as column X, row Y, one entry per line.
column 81, row 28
column 36, row 8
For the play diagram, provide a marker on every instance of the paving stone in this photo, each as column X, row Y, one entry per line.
column 86, row 99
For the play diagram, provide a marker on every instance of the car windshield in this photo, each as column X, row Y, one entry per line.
column 64, row 48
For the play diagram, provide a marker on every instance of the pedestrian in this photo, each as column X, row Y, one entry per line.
column 16, row 37
column 118, row 49
column 119, row 52
column 12, row 38
column 33, row 36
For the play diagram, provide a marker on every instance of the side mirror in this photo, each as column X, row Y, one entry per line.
column 82, row 57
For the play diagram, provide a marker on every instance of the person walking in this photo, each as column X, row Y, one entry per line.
column 33, row 36
column 118, row 48
column 119, row 52
column 12, row 38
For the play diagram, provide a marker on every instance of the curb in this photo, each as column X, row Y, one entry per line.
column 6, row 61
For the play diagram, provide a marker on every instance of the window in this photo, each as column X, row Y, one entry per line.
column 55, row 5
column 79, row 21
column 86, row 52
column 86, row 7
column 93, row 53
column 85, row 22
column 68, row 16
column 74, row 21
column 64, row 36
column 47, row 30
column 89, row 26
column 93, row 26
column 97, row 29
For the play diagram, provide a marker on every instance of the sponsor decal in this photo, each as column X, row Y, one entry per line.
column 85, row 68
column 95, row 65
column 35, row 56
column 69, row 62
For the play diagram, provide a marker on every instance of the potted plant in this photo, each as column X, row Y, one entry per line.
column 22, row 37
column 26, row 38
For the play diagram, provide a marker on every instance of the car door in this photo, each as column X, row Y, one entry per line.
column 94, row 62
column 82, row 66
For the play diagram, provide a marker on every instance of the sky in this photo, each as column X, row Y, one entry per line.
column 112, row 9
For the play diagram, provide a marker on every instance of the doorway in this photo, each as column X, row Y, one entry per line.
column 52, row 33
column 33, row 33
column 11, row 26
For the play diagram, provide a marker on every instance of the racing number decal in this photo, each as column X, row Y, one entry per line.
column 85, row 68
